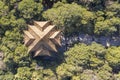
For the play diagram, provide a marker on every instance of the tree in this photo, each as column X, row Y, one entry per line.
column 114, row 8
column 28, row 9
column 113, row 58
column 79, row 58
column 105, row 26
column 23, row 73
column 8, row 76
column 3, row 9
column 21, row 56
column 82, row 61
column 67, row 71
column 7, row 22
column 108, row 25
column 69, row 16
column 86, row 56
column 37, row 75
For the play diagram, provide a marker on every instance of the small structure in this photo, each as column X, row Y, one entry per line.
column 42, row 38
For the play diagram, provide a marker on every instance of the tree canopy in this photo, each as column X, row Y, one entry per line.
column 81, row 61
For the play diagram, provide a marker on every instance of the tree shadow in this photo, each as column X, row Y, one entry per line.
column 50, row 62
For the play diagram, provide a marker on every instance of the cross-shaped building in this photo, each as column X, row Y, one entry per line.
column 42, row 38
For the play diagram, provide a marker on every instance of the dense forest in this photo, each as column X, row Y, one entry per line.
column 79, row 62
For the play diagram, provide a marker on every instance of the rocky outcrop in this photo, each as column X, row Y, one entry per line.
column 88, row 39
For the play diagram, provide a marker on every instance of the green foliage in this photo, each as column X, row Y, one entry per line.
column 106, row 25
column 86, row 56
column 8, row 76
column 3, row 9
column 113, row 56
column 28, row 9
column 115, row 8
column 23, row 73
column 10, row 35
column 82, row 62
column 66, row 70
column 37, row 75
column 117, row 76
column 20, row 55
column 89, row 62
column 68, row 16
column 80, row 58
